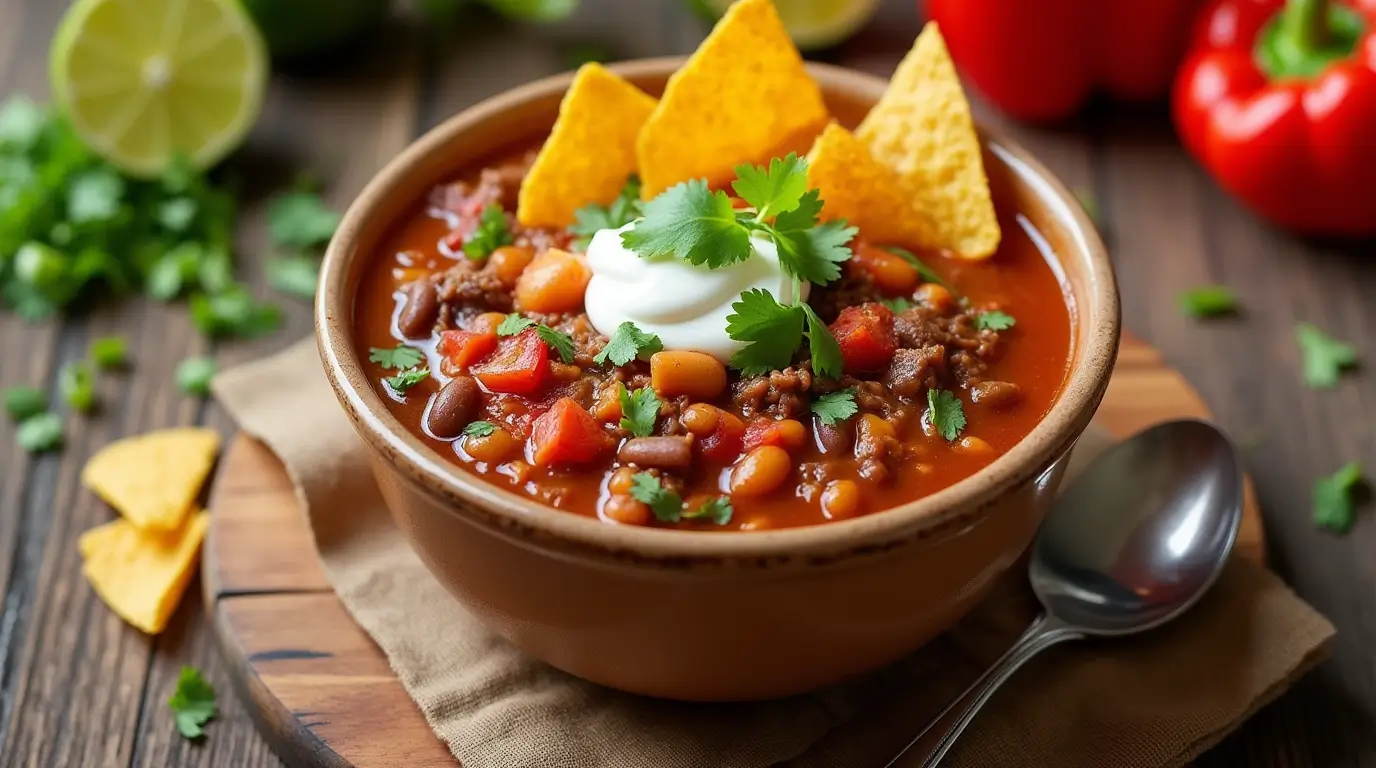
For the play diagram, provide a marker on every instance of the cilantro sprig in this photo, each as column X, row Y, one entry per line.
column 639, row 410
column 560, row 342
column 994, row 320
column 192, row 703
column 945, row 413
column 407, row 379
column 399, row 357
column 717, row 509
column 492, row 233
column 628, row 343
column 590, row 219
column 1334, row 508
column 1325, row 357
column 1208, row 301
column 665, row 503
column 479, row 428
column 835, row 407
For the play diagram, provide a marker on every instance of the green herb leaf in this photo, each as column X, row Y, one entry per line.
column 898, row 304
column 297, row 275
column 39, row 433
column 1208, row 301
column 513, row 324
column 815, row 253
column 234, row 313
column 994, row 320
column 773, row 332
column 400, row 357
column 300, row 220
column 492, row 233
column 639, row 410
column 773, row 190
column 194, row 374
column 690, row 222
column 559, row 341
column 192, row 703
column 826, row 353
column 835, row 407
column 590, row 219
column 110, row 352
column 717, row 509
column 1334, row 508
column 77, row 384
column 94, row 196
column 1324, row 356
column 21, row 123
column 628, row 343
column 540, row 11
column 945, row 413
column 23, row 402
column 407, row 379
column 176, row 215
column 666, row 504
column 924, row 271
column 479, row 428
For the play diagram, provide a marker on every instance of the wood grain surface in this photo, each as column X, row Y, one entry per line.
column 79, row 688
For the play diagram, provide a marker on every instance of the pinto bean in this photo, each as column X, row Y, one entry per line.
column 452, row 407
column 834, row 439
column 661, row 452
column 761, row 470
column 626, row 510
column 422, row 307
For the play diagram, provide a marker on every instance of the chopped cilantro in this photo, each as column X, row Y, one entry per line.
column 945, row 413
column 297, row 274
column 590, row 219
column 772, row 332
column 176, row 215
column 898, row 304
column 23, row 402
column 407, row 379
column 690, row 222
column 21, row 123
column 826, row 353
column 234, row 312
column 1208, row 301
column 492, row 233
column 1324, row 356
column 1334, row 508
column 639, row 410
column 400, row 357
column 628, row 343
column 513, row 324
column 994, row 320
column 78, row 386
column 109, row 352
column 194, row 374
column 40, row 432
column 479, row 428
column 192, row 703
column 925, row 272
column 835, row 407
column 300, row 219
column 94, row 195
column 665, row 503
column 717, row 509
column 558, row 341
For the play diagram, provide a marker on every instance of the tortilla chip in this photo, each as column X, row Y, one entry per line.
column 589, row 153
column 855, row 187
column 922, row 129
column 141, row 574
column 153, row 479
column 743, row 97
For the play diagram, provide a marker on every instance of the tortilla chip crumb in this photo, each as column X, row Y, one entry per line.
column 153, row 479
column 142, row 574
column 855, row 187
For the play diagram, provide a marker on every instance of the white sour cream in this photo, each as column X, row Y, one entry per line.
column 685, row 305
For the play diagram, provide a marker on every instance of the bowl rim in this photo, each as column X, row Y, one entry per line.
column 506, row 511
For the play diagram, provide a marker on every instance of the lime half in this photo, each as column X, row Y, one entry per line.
column 813, row 24
column 146, row 80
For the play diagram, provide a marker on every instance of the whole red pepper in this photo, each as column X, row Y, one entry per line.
column 1278, row 101
column 1040, row 60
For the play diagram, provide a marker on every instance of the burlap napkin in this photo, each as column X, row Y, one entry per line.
column 1156, row 700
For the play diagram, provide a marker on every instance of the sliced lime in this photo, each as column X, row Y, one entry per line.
column 813, row 24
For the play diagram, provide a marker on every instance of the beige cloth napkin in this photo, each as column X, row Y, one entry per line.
column 1156, row 700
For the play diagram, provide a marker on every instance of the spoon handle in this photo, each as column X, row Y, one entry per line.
column 1045, row 632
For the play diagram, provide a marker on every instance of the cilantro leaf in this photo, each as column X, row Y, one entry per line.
column 177, row 214
column 479, row 428
column 666, row 504
column 639, row 410
column 898, row 304
column 300, row 219
column 924, row 271
column 297, row 275
column 835, row 407
column 192, row 703
column 513, row 324
column 945, row 413
column 773, row 190
column 1324, row 356
column 628, row 343
column 492, row 233
column 994, row 320
column 109, row 352
column 690, row 222
column 194, row 374
column 23, row 402
column 400, row 357
column 815, row 254
column 39, row 433
column 234, row 312
column 558, row 341
column 826, row 353
column 1334, row 508
column 717, row 509
column 590, row 219
column 534, row 10
column 94, row 196
column 1208, row 301
column 772, row 332
column 77, row 384
column 407, row 379
column 21, row 123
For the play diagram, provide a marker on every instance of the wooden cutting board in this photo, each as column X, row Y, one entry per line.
column 319, row 689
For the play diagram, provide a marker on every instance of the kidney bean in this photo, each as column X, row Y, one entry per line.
column 452, row 407
column 834, row 439
column 661, row 452
column 422, row 307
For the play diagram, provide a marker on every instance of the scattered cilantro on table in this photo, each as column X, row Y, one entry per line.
column 1334, row 508
column 717, row 509
column 560, row 342
column 300, row 219
column 406, row 379
column 639, row 410
column 234, row 312
column 628, row 343
column 491, row 233
column 23, row 402
column 1208, row 301
column 40, row 432
column 835, row 407
column 924, row 271
column 666, row 504
column 994, row 320
column 77, row 384
column 400, row 357
column 109, row 352
column 945, row 413
column 1324, row 356
column 589, row 219
column 194, row 374
column 297, row 275
column 479, row 428
column 192, row 703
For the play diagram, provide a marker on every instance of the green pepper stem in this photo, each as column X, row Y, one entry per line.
column 1305, row 22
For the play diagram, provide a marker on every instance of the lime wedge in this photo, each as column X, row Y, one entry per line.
column 813, row 24
column 146, row 80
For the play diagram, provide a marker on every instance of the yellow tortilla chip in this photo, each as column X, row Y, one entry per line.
column 590, row 151
column 141, row 574
column 922, row 129
column 153, row 479
column 855, row 187
column 743, row 97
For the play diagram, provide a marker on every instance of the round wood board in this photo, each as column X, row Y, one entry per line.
column 323, row 694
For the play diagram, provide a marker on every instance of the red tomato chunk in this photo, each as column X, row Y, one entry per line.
column 464, row 348
column 567, row 434
column 865, row 334
column 518, row 366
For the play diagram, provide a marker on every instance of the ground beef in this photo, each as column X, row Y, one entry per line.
column 779, row 394
column 969, row 350
column 914, row 371
column 855, row 287
column 468, row 285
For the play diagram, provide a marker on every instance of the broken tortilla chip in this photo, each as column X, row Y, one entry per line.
column 142, row 574
column 153, row 479
column 590, row 151
column 855, row 187
column 922, row 130
column 743, row 97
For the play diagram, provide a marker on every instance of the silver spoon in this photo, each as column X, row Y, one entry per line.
column 1136, row 540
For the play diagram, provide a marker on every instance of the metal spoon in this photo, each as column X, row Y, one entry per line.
column 1136, row 540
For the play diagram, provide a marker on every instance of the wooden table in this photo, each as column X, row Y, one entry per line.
column 80, row 688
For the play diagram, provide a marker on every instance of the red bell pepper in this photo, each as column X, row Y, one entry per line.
column 567, row 434
column 1278, row 102
column 1040, row 60
column 724, row 443
column 461, row 349
column 517, row 367
column 865, row 335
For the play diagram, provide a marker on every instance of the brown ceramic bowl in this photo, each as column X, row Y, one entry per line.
column 700, row 615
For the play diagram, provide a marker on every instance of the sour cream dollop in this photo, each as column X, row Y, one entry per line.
column 685, row 305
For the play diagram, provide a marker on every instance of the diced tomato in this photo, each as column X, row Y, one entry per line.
column 724, row 444
column 518, row 366
column 567, row 434
column 464, row 348
column 865, row 334
column 764, row 431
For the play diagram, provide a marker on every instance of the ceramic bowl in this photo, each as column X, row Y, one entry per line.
column 700, row 615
